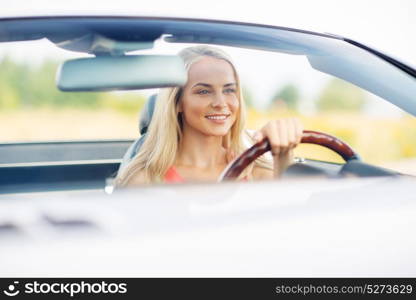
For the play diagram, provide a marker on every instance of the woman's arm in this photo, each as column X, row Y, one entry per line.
column 279, row 166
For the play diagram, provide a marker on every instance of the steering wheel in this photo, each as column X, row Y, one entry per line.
column 309, row 137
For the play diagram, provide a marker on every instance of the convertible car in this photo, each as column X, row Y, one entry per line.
column 60, row 216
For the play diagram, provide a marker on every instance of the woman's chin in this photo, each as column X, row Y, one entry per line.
column 218, row 132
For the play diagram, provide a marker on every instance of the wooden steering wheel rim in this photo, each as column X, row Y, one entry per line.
column 310, row 137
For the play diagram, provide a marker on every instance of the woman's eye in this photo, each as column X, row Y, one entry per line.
column 229, row 91
column 203, row 92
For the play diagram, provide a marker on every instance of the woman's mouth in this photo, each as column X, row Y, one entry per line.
column 217, row 118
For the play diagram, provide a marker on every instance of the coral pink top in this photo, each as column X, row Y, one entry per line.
column 172, row 176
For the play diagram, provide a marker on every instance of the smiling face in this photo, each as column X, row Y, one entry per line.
column 210, row 100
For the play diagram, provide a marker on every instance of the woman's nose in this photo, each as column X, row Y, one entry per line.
column 219, row 100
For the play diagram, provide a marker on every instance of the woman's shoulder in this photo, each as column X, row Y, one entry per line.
column 139, row 178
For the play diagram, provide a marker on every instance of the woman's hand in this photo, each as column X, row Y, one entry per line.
column 283, row 135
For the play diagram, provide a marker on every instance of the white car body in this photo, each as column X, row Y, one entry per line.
column 307, row 228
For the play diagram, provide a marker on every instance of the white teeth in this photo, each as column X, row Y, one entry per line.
column 216, row 117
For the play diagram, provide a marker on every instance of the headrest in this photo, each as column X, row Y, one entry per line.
column 147, row 113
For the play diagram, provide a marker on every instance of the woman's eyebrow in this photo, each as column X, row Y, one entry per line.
column 209, row 85
column 203, row 84
column 230, row 84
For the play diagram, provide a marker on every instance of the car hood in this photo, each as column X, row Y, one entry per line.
column 338, row 227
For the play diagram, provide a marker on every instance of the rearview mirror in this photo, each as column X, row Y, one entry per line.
column 104, row 73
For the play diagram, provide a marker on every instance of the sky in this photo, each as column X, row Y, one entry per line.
column 386, row 25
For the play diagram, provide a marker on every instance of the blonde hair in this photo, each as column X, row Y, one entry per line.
column 159, row 150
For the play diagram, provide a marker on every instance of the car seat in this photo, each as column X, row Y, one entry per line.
column 144, row 122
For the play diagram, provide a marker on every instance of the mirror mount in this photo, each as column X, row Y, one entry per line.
column 100, row 45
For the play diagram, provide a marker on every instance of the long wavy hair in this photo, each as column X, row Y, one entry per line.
column 160, row 148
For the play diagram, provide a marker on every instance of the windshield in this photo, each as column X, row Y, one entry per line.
column 325, row 82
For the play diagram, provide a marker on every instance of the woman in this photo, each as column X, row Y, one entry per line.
column 197, row 129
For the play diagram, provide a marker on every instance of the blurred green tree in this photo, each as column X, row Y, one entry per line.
column 10, row 84
column 286, row 97
column 22, row 85
column 340, row 95
column 247, row 96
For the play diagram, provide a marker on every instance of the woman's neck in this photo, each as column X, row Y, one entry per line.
column 200, row 150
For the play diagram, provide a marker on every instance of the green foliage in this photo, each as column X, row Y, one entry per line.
column 340, row 95
column 8, row 97
column 9, row 84
column 248, row 98
column 24, row 86
column 287, row 95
